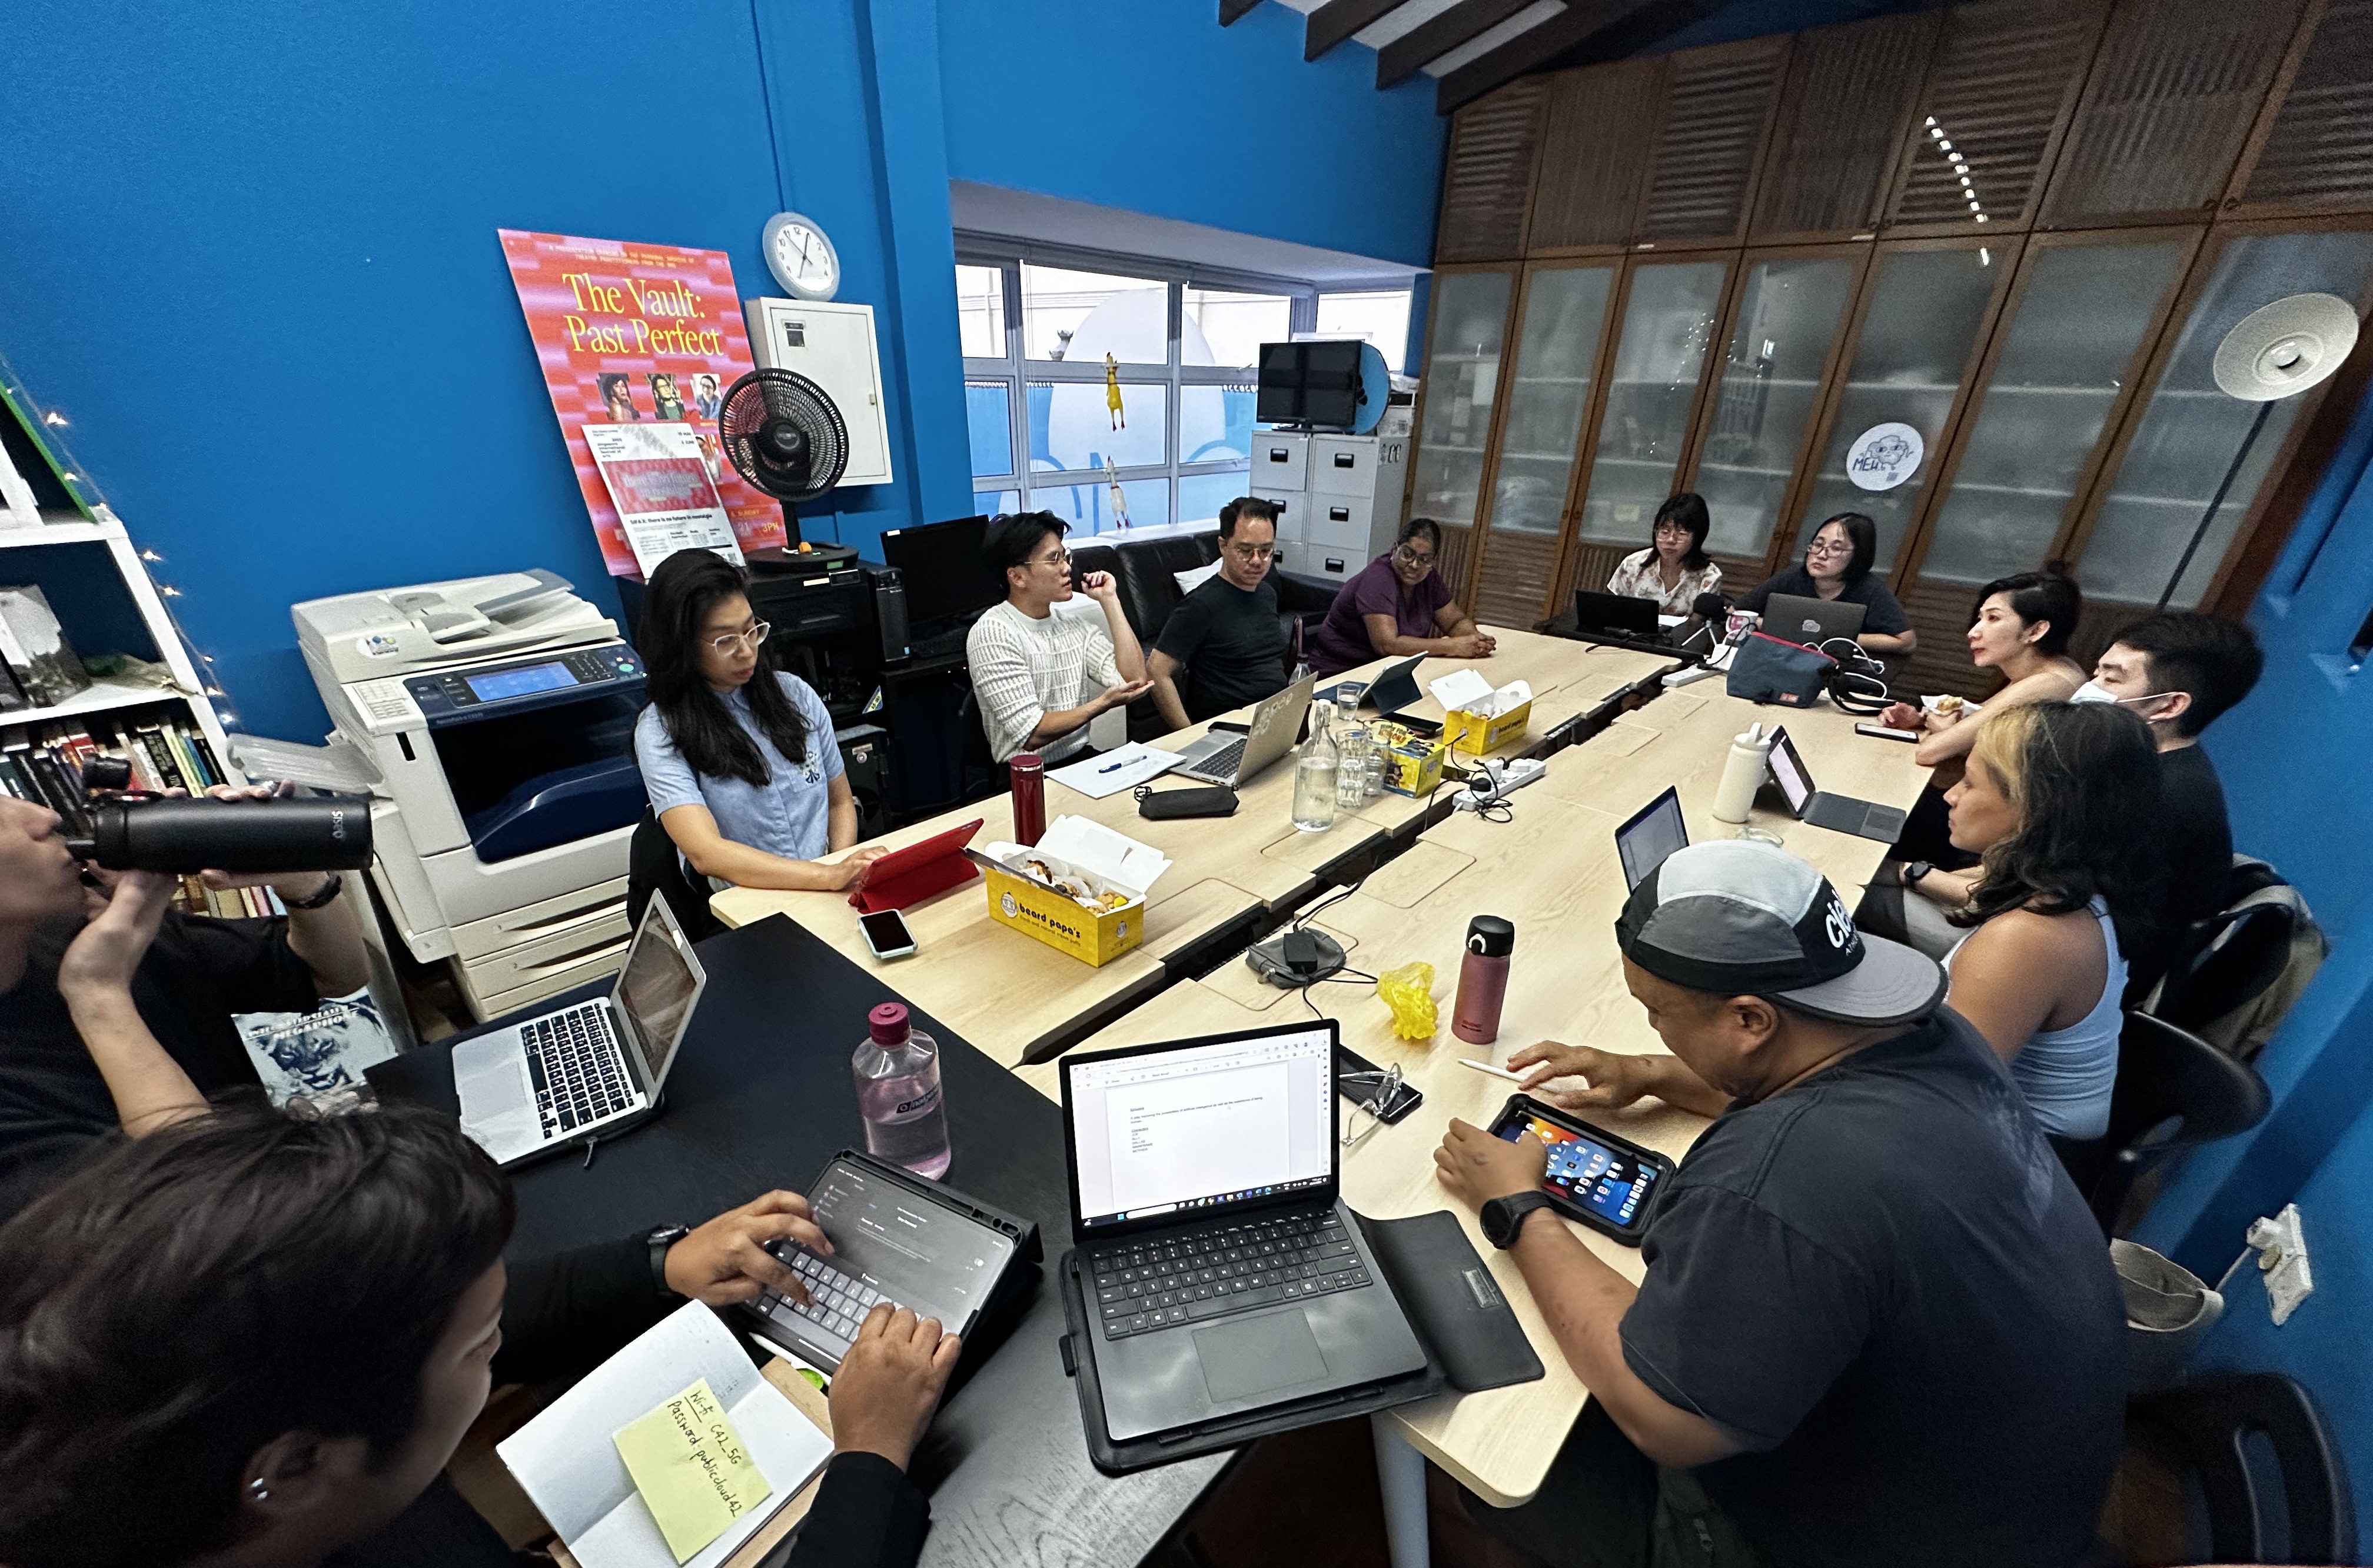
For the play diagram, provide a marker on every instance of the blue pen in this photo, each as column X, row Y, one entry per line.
column 1116, row 767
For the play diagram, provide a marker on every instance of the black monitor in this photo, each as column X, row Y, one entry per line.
column 1316, row 384
column 942, row 571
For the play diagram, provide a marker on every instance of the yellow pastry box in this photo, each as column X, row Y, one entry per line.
column 1475, row 734
column 1082, row 889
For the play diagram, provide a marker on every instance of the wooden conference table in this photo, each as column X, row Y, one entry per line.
column 1019, row 1000
column 1552, row 870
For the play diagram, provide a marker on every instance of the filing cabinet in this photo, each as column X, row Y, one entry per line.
column 1338, row 498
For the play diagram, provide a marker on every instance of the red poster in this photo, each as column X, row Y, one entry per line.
column 629, row 332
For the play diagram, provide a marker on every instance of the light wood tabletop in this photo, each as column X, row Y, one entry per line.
column 1014, row 998
column 1553, row 871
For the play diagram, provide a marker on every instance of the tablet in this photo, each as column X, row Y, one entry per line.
column 911, row 875
column 1608, row 1183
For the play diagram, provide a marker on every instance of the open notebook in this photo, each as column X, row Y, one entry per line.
column 565, row 1462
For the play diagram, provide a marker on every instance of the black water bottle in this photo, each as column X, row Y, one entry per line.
column 251, row 837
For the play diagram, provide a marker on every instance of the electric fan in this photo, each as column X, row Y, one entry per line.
column 782, row 433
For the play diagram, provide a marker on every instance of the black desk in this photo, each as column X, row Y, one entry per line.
column 760, row 1098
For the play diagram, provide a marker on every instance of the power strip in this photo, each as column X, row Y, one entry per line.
column 1498, row 780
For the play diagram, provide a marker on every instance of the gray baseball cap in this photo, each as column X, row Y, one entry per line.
column 1740, row 918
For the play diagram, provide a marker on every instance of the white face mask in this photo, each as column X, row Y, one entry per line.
column 2091, row 692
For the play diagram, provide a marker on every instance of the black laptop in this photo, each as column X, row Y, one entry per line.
column 1653, row 831
column 1392, row 693
column 1617, row 615
column 1225, row 1277
column 1842, row 812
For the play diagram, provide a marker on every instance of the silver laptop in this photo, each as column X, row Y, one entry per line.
column 1792, row 618
column 1220, row 758
column 580, row 1073
column 1843, row 813
column 1223, row 1277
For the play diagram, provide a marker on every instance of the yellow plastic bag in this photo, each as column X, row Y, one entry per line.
column 1408, row 992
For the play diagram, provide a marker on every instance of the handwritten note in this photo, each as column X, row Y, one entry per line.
column 693, row 1469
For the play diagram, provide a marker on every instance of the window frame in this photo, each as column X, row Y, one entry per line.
column 1015, row 371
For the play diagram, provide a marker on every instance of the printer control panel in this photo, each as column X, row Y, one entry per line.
column 538, row 680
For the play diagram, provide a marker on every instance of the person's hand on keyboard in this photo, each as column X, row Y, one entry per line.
column 890, row 1382
column 726, row 1260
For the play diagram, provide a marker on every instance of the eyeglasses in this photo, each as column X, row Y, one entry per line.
column 1249, row 551
column 1409, row 557
column 1380, row 1089
column 732, row 640
column 1671, row 531
column 1061, row 558
column 1830, row 546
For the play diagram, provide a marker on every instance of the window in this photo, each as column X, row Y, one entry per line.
column 1043, row 435
column 1380, row 316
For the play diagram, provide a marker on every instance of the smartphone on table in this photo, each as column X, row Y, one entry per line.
column 887, row 934
column 1360, row 1081
column 1607, row 1183
column 1887, row 732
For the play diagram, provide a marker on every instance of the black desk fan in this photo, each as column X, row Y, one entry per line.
column 783, row 434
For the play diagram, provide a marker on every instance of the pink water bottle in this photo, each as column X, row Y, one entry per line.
column 1483, row 980
column 897, row 1073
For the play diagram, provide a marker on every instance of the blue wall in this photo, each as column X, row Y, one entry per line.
column 252, row 253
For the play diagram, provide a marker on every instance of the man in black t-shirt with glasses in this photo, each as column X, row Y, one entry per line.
column 1878, row 1324
column 1225, row 635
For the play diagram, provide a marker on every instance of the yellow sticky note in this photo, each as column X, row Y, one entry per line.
column 694, row 1471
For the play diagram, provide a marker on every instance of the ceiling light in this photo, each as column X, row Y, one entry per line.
column 1981, row 218
column 1942, row 144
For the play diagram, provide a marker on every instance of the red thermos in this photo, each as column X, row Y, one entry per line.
column 1029, row 773
column 1483, row 980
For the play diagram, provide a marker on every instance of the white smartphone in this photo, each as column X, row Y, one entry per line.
column 887, row 935
column 1885, row 732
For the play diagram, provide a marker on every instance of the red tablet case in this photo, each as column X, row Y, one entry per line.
column 911, row 875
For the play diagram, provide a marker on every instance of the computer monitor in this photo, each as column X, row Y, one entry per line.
column 1653, row 833
column 942, row 571
column 1315, row 384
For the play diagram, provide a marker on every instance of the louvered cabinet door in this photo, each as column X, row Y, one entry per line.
column 1594, row 155
column 1840, row 126
column 1487, row 178
column 2171, row 97
column 2317, row 156
column 1718, row 106
column 2001, row 86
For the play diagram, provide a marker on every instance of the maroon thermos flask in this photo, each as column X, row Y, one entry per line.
column 1483, row 980
column 1029, row 775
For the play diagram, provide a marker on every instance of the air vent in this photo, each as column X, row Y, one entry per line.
column 1488, row 177
column 1718, row 103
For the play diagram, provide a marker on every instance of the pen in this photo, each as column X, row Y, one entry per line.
column 1486, row 1067
column 1116, row 767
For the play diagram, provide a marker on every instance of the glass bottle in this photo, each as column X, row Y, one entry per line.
column 897, row 1073
column 1351, row 783
column 1315, row 772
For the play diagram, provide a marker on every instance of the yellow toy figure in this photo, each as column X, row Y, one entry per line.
column 1112, row 392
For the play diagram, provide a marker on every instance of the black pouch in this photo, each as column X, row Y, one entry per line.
column 1211, row 800
column 1771, row 669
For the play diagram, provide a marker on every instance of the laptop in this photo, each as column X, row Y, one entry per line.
column 1655, row 832
column 1225, row 1278
column 1843, row 812
column 1618, row 615
column 1392, row 694
column 1795, row 619
column 1221, row 757
column 574, row 1075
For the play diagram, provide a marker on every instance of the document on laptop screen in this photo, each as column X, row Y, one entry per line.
column 1202, row 1123
column 1788, row 768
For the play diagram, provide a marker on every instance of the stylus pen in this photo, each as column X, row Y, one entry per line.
column 1486, row 1067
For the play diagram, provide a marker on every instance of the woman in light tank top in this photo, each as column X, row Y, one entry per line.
column 2058, row 801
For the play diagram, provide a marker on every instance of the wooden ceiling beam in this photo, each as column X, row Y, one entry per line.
column 1233, row 11
column 1336, row 20
column 1429, row 41
column 1530, row 50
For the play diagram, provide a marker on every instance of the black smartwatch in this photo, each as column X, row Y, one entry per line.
column 330, row 890
column 1913, row 870
column 658, row 1241
column 1504, row 1219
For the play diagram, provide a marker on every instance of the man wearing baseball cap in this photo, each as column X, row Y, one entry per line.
column 1878, row 1324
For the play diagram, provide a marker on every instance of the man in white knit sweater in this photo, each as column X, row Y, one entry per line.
column 1041, row 677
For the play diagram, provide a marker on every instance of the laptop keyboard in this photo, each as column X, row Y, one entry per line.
column 1222, row 763
column 579, row 1074
column 837, row 1300
column 1187, row 1277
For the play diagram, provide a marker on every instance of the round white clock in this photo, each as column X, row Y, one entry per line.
column 801, row 258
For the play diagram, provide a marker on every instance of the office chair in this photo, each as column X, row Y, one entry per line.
column 2203, row 1429
column 2174, row 1091
column 654, row 867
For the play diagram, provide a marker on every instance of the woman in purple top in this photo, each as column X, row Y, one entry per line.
column 1398, row 606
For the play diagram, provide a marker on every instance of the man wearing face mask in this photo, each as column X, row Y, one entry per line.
column 2178, row 670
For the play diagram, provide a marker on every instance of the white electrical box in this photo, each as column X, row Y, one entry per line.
column 833, row 345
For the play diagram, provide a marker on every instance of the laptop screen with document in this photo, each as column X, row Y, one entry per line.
column 1653, row 833
column 1795, row 780
column 1204, row 1124
column 656, row 990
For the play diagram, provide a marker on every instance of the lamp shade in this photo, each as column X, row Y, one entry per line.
column 2285, row 347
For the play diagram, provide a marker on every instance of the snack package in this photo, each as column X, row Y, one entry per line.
column 1408, row 992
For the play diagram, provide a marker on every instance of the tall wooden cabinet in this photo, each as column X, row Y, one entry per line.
column 2019, row 228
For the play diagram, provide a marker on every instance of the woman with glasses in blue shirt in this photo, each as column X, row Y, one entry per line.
column 738, row 759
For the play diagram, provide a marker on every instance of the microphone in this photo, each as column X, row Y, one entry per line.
column 1710, row 608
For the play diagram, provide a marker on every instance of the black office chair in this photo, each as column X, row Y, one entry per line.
column 2174, row 1091
column 2204, row 1431
column 2227, row 962
column 654, row 867
column 983, row 774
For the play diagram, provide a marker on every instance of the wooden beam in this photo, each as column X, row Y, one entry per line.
column 1338, row 19
column 1530, row 50
column 1429, row 41
column 1233, row 11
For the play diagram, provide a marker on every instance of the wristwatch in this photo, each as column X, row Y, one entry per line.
column 1504, row 1219
column 658, row 1241
column 1913, row 870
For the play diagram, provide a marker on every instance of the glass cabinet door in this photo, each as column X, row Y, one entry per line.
column 1922, row 319
column 2188, row 432
column 2079, row 319
column 1564, row 317
column 1769, row 384
column 1668, row 322
column 1462, row 378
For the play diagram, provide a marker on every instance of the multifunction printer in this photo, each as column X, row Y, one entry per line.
column 492, row 721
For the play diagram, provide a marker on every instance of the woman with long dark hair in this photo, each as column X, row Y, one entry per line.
column 1837, row 564
column 1675, row 568
column 2059, row 803
column 738, row 759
